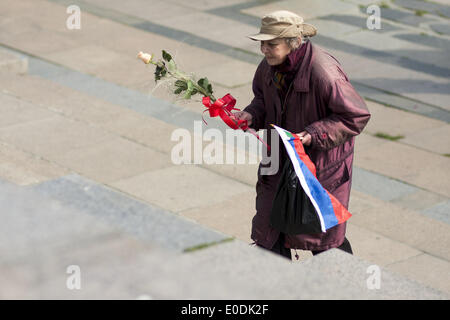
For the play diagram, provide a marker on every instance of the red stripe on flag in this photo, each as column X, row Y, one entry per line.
column 303, row 156
column 340, row 212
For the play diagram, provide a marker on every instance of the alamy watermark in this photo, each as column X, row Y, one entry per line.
column 73, row 22
column 213, row 147
column 73, row 281
column 374, row 20
column 374, row 280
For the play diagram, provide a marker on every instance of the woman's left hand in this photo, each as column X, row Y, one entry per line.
column 305, row 137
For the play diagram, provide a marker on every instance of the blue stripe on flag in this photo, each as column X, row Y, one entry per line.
column 318, row 193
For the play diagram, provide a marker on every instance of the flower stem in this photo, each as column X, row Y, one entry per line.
column 181, row 76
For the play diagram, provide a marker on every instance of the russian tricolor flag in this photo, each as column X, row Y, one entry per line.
column 329, row 210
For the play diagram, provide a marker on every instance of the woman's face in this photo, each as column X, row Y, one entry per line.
column 275, row 51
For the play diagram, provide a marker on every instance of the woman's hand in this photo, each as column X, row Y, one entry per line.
column 243, row 115
column 305, row 137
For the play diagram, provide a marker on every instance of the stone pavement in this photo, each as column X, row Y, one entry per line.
column 126, row 249
column 82, row 125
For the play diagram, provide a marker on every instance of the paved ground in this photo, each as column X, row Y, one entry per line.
column 76, row 104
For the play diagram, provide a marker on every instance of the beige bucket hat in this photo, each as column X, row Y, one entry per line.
column 283, row 24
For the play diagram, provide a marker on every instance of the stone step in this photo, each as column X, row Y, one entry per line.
column 32, row 222
column 333, row 274
column 11, row 62
column 57, row 227
column 143, row 221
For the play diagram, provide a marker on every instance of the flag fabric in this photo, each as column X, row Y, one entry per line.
column 329, row 210
column 292, row 212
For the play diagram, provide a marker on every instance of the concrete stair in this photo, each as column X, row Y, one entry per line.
column 12, row 63
column 126, row 249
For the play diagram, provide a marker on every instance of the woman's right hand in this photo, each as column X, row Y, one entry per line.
column 243, row 115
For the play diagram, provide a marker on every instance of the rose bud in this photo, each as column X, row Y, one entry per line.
column 145, row 57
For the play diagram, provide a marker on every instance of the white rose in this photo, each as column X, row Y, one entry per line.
column 145, row 57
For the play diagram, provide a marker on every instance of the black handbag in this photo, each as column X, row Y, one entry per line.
column 292, row 210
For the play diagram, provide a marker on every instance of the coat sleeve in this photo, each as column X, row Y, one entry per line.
column 256, row 108
column 348, row 115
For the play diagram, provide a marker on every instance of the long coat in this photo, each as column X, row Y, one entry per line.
column 321, row 101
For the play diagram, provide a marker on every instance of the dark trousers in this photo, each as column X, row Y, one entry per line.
column 280, row 249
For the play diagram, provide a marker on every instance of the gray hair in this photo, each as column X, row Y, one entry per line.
column 294, row 42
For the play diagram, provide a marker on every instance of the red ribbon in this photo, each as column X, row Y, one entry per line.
column 222, row 107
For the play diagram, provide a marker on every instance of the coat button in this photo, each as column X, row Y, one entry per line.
column 324, row 135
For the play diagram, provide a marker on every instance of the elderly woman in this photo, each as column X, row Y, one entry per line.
column 300, row 87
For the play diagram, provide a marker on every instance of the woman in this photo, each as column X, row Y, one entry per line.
column 300, row 87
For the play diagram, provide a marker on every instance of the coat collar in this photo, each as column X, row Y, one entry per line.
column 301, row 81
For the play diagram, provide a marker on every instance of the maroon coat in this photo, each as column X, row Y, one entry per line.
column 321, row 101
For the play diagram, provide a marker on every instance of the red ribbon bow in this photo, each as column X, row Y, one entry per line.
column 222, row 107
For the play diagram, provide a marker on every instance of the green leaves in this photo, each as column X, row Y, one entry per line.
column 184, row 84
column 180, row 86
column 166, row 56
column 187, row 86
column 160, row 71
column 204, row 83
column 190, row 90
column 171, row 66
column 161, row 68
